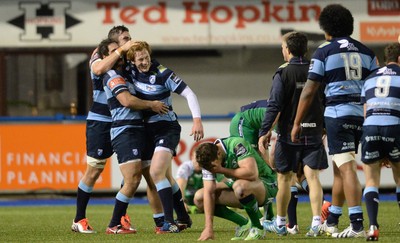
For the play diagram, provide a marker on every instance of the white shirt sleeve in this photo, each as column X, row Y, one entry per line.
column 207, row 175
column 193, row 103
column 185, row 170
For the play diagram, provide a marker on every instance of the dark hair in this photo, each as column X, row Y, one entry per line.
column 392, row 52
column 102, row 48
column 205, row 154
column 296, row 43
column 336, row 21
column 116, row 31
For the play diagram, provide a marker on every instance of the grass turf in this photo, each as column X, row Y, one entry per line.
column 52, row 224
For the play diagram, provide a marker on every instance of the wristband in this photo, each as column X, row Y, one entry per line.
column 118, row 53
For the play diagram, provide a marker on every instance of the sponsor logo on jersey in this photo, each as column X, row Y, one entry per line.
column 175, row 78
column 312, row 124
column 115, row 82
column 346, row 44
column 240, row 149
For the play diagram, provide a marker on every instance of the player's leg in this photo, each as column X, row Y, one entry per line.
column 315, row 196
column 97, row 139
column 152, row 196
column 292, row 208
column 131, row 169
column 120, row 222
column 183, row 219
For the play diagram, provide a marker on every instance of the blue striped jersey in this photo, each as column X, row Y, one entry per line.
column 99, row 109
column 342, row 64
column 381, row 93
column 157, row 84
column 122, row 117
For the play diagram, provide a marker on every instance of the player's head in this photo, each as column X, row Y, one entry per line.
column 106, row 47
column 294, row 43
column 120, row 34
column 336, row 21
column 206, row 153
column 392, row 53
column 140, row 55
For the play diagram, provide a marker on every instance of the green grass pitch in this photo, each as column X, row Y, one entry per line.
column 52, row 224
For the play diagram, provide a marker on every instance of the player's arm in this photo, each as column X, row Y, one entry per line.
column 128, row 100
column 103, row 65
column 247, row 170
column 209, row 206
column 306, row 97
column 193, row 103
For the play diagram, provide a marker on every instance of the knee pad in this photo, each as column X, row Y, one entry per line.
column 343, row 158
column 96, row 163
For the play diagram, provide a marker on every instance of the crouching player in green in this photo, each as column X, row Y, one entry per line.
column 252, row 183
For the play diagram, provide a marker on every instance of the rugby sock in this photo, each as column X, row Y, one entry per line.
column 269, row 215
column 158, row 219
column 280, row 221
column 120, row 207
column 304, row 185
column 398, row 195
column 250, row 205
column 228, row 214
column 371, row 195
column 316, row 220
column 179, row 205
column 165, row 193
column 82, row 199
column 292, row 207
column 335, row 213
column 356, row 218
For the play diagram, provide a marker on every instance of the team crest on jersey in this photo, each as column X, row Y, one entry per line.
column 240, row 149
column 99, row 152
column 161, row 141
column 152, row 79
column 135, row 152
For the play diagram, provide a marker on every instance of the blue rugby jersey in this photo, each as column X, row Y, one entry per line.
column 342, row 64
column 381, row 93
column 99, row 110
column 122, row 117
column 157, row 84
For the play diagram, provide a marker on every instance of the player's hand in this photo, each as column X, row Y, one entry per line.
column 207, row 234
column 125, row 47
column 159, row 107
column 263, row 141
column 295, row 134
column 197, row 129
column 216, row 167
